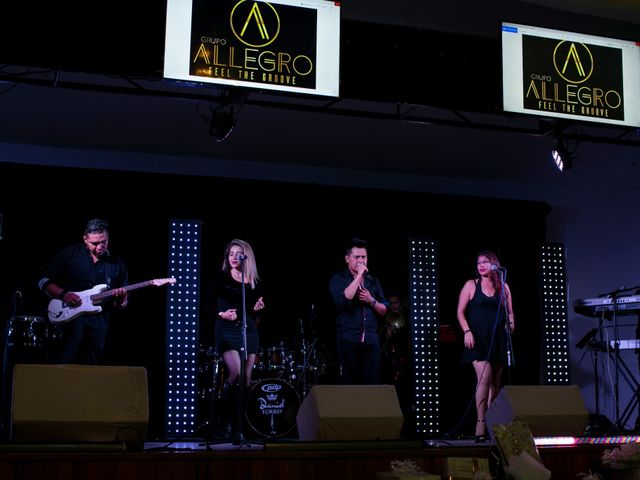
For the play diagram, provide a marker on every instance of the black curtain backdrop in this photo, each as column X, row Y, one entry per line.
column 298, row 232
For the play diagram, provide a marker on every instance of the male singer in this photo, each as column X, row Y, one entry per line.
column 359, row 301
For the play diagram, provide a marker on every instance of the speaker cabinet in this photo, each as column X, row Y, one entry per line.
column 79, row 404
column 350, row 412
column 548, row 410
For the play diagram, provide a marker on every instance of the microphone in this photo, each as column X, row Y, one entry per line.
column 240, row 257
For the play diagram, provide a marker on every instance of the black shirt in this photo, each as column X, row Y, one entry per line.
column 357, row 322
column 74, row 270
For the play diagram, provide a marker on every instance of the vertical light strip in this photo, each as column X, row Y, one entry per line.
column 423, row 296
column 555, row 335
column 182, row 327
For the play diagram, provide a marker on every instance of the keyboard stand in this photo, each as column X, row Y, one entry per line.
column 617, row 360
column 630, row 379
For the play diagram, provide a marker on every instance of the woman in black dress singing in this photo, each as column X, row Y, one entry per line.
column 484, row 309
column 238, row 257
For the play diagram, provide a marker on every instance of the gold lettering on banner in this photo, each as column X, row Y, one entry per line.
column 216, row 55
column 253, row 59
column 570, row 93
column 256, row 26
column 232, row 57
column 533, row 90
column 588, row 96
column 566, row 90
column 245, row 75
column 281, row 79
column 202, row 53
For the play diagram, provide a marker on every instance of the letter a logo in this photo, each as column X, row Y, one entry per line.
column 256, row 24
column 573, row 61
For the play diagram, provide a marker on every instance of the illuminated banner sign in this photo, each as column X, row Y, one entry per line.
column 282, row 45
column 562, row 74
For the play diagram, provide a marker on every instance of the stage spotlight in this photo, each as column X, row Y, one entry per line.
column 221, row 124
column 561, row 156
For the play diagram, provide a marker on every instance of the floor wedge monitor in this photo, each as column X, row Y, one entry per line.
column 79, row 404
column 350, row 412
column 548, row 410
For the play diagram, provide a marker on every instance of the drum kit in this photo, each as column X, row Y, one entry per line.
column 281, row 379
column 29, row 338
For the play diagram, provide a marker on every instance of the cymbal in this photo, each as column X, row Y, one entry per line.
column 395, row 319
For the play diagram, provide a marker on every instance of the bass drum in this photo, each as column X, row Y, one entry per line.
column 272, row 407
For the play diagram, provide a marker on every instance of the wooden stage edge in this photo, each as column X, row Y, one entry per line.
column 291, row 460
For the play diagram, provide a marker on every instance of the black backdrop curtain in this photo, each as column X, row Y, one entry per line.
column 298, row 231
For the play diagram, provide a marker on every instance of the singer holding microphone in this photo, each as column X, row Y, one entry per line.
column 484, row 311
column 239, row 261
column 360, row 302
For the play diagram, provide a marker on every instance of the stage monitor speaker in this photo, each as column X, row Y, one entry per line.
column 79, row 404
column 350, row 412
column 548, row 410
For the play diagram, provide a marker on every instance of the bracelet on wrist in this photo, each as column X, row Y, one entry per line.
column 373, row 302
column 467, row 331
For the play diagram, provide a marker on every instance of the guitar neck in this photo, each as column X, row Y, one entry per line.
column 109, row 293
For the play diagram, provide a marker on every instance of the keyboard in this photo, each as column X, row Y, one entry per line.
column 595, row 307
column 631, row 344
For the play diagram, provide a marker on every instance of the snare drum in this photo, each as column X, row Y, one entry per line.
column 27, row 332
column 272, row 407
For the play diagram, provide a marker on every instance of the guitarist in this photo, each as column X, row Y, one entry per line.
column 80, row 267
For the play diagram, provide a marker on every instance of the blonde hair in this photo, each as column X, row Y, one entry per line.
column 250, row 267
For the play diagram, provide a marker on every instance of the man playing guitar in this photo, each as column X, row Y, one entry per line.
column 77, row 268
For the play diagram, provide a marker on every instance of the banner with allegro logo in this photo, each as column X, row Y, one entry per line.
column 563, row 74
column 279, row 45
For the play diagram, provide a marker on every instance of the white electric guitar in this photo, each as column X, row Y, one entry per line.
column 62, row 312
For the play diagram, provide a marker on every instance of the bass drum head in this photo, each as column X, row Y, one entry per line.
column 272, row 407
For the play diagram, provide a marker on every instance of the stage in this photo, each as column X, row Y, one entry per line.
column 279, row 459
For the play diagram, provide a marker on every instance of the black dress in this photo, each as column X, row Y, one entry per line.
column 482, row 315
column 228, row 294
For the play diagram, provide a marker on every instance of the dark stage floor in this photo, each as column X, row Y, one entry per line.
column 195, row 459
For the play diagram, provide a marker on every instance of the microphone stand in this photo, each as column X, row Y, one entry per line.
column 511, row 360
column 303, row 373
column 5, row 370
column 243, row 361
column 308, row 350
column 616, row 356
column 239, row 440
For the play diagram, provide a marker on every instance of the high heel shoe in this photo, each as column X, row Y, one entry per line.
column 481, row 438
